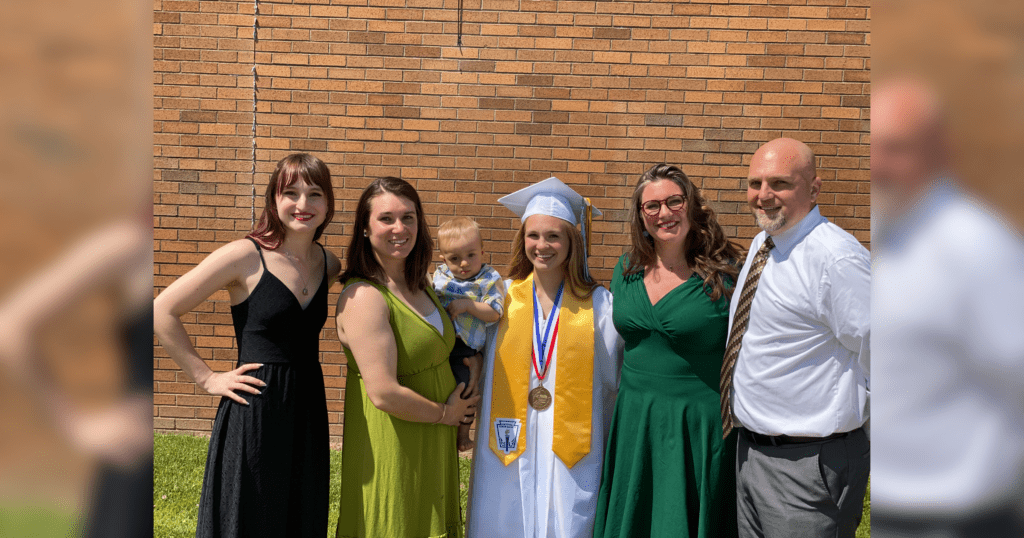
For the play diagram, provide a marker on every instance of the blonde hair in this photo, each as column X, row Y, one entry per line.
column 455, row 229
column 580, row 283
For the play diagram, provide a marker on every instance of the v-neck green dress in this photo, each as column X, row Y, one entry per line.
column 667, row 471
column 398, row 478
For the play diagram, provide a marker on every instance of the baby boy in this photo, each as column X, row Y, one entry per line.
column 473, row 293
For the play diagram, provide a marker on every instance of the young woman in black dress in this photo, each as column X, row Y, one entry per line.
column 268, row 464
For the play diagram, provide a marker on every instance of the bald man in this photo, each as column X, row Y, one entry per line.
column 909, row 150
column 800, row 382
column 948, row 300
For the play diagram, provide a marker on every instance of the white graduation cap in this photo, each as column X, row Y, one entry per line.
column 549, row 197
column 556, row 199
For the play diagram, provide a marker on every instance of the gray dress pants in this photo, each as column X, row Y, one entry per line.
column 812, row 490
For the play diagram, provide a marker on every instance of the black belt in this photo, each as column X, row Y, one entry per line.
column 778, row 440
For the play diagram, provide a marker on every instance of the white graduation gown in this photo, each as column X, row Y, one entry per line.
column 536, row 496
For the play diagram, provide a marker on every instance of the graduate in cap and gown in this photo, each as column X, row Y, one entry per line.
column 550, row 379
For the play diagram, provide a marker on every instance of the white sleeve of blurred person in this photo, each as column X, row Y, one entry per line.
column 115, row 259
column 948, row 324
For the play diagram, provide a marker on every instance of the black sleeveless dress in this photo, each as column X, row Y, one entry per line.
column 268, row 467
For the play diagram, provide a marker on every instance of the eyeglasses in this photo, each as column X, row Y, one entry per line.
column 673, row 203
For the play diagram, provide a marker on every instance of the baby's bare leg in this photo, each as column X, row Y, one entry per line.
column 464, row 442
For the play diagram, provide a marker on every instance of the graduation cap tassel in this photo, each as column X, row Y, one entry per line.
column 585, row 220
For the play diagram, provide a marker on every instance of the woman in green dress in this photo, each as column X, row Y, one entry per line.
column 399, row 470
column 667, row 470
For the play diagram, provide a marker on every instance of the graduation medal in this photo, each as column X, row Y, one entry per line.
column 540, row 398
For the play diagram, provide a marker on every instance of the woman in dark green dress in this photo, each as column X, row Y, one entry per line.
column 667, row 470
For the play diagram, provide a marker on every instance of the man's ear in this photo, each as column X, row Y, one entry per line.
column 815, row 188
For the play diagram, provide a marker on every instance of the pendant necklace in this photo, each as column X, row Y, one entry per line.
column 540, row 398
column 298, row 269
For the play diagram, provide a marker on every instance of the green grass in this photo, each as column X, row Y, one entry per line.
column 864, row 530
column 464, row 466
column 335, row 495
column 178, row 464
column 37, row 522
column 179, row 461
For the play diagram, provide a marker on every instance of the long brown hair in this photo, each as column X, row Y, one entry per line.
column 361, row 263
column 580, row 283
column 706, row 249
column 269, row 230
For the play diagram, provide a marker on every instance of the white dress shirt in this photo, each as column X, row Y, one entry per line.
column 949, row 349
column 803, row 367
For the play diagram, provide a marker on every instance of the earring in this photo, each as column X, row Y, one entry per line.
column 366, row 233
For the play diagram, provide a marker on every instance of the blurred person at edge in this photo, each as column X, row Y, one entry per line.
column 116, row 260
column 801, row 381
column 948, row 312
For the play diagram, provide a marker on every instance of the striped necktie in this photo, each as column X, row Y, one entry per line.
column 739, row 326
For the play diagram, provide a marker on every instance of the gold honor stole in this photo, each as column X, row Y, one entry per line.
column 575, row 391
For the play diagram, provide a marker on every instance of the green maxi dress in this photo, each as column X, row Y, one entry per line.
column 399, row 478
column 667, row 471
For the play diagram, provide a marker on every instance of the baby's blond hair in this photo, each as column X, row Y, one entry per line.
column 455, row 229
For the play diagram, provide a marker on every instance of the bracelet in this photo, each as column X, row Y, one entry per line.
column 444, row 411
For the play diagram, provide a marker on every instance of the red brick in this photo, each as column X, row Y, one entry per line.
column 586, row 90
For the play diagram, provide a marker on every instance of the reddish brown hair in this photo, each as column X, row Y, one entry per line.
column 269, row 230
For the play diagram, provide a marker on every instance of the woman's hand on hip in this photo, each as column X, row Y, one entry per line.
column 226, row 383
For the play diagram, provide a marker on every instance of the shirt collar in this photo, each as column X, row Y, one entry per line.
column 895, row 234
column 785, row 241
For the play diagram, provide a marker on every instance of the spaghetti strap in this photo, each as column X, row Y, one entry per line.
column 260, row 251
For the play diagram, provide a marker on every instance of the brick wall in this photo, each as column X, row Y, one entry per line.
column 592, row 92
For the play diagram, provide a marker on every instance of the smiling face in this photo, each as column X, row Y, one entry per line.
column 781, row 185
column 667, row 226
column 463, row 255
column 546, row 243
column 301, row 207
column 392, row 226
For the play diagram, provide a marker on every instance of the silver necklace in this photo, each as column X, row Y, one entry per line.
column 298, row 268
